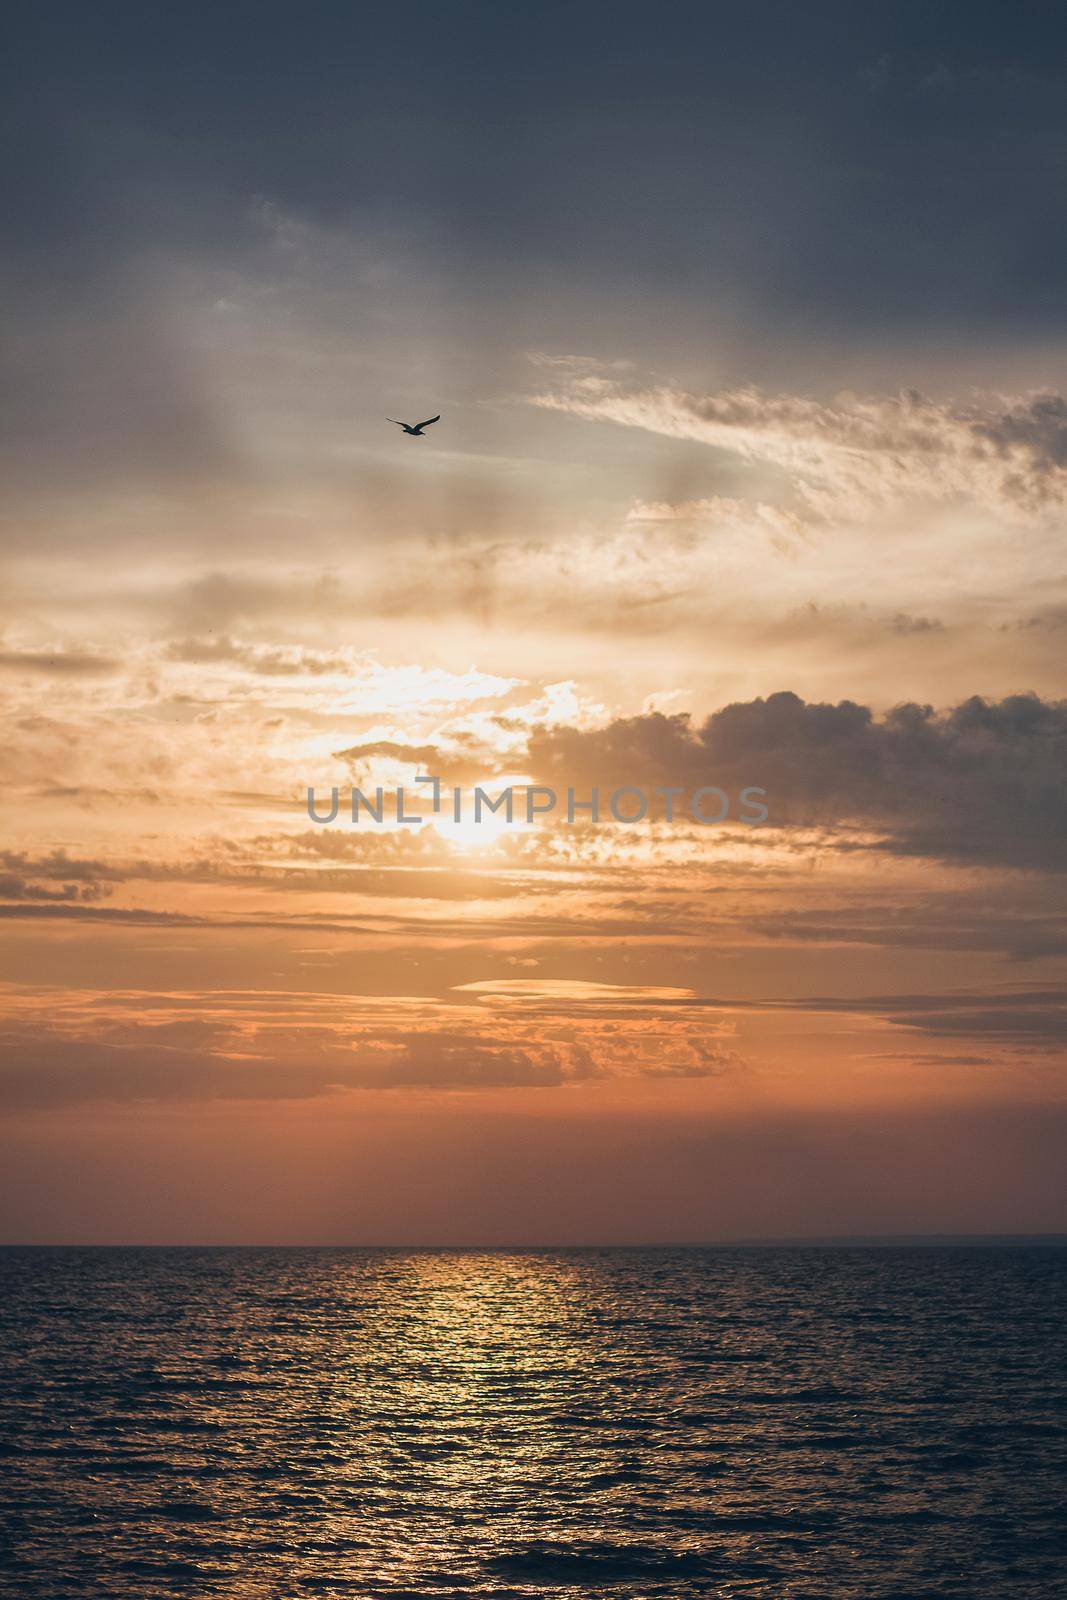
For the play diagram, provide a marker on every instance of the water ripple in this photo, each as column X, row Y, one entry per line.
column 627, row 1424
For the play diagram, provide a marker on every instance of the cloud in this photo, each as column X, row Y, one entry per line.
column 397, row 864
column 981, row 921
column 1003, row 1016
column 61, row 663
column 13, row 887
column 60, row 1048
column 50, row 1073
column 425, row 756
column 983, row 782
column 1013, row 1017
column 63, row 910
column 55, row 877
column 276, row 662
column 905, row 624
column 855, row 453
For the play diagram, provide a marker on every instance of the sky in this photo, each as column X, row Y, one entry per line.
column 747, row 333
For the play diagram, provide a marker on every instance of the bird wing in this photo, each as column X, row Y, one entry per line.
column 398, row 424
column 426, row 424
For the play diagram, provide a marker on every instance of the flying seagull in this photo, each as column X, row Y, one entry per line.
column 416, row 431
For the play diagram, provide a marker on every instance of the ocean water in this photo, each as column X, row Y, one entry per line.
column 778, row 1423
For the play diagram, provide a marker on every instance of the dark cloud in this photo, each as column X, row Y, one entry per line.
column 64, row 909
column 1052, row 618
column 1016, row 1018
column 63, row 663
column 1015, row 927
column 905, row 624
column 388, row 749
column 268, row 661
column 984, row 782
column 135, row 233
column 1037, row 427
column 938, row 1060
column 59, row 865
column 13, row 887
column 893, row 167
column 43, row 1071
column 56, row 878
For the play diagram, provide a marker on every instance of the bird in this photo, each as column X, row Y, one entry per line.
column 416, row 431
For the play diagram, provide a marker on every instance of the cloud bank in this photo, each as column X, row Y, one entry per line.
column 983, row 782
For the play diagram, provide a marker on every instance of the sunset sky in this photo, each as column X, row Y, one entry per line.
column 747, row 329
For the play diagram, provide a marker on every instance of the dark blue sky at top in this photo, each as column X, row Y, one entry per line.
column 895, row 163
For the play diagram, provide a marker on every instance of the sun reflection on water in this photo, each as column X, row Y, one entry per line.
column 635, row 1424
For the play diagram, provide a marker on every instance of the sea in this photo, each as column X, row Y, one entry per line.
column 802, row 1423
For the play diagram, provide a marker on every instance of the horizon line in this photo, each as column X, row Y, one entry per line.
column 1056, row 1238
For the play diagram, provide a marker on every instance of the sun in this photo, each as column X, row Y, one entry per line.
column 470, row 836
